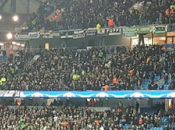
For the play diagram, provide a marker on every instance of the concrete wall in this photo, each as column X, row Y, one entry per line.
column 80, row 43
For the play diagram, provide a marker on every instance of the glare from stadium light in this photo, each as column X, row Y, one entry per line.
column 22, row 45
column 88, row 99
column 13, row 43
column 0, row 17
column 9, row 35
column 15, row 18
column 1, row 44
column 18, row 44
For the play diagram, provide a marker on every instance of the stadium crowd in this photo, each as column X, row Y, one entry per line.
column 81, row 118
column 96, row 69
column 89, row 13
column 39, row 19
column 13, row 65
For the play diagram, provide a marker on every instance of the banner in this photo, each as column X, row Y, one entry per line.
column 91, row 32
column 101, row 31
column 157, row 94
column 30, row 35
column 158, row 29
column 79, row 34
column 46, row 35
column 129, row 32
column 9, row 93
column 22, row 37
column 66, row 34
column 129, row 29
column 34, row 35
column 56, row 34
column 145, row 30
column 133, row 31
column 114, row 31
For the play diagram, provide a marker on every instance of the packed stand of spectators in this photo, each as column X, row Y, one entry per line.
column 96, row 69
column 12, row 66
column 36, row 20
column 90, row 13
column 40, row 19
column 82, row 118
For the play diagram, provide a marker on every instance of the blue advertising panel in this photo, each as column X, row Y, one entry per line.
column 98, row 94
column 89, row 94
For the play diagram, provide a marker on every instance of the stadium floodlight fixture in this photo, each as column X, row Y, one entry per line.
column 15, row 18
column 14, row 43
column 9, row 36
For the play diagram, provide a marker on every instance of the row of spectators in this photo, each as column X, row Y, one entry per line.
column 90, row 13
column 80, row 118
column 96, row 69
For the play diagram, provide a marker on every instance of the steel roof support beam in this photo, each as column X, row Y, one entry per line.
column 3, row 4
